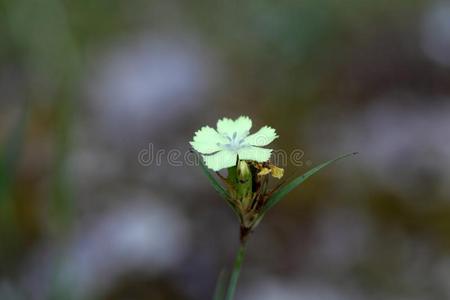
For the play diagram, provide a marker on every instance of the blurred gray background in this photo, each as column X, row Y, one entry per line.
column 86, row 85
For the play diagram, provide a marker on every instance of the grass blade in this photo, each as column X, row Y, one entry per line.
column 219, row 292
column 278, row 195
column 10, row 154
column 216, row 185
column 236, row 271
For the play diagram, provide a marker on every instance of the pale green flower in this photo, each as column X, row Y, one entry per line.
column 221, row 148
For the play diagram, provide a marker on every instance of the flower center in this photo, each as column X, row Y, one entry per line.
column 235, row 142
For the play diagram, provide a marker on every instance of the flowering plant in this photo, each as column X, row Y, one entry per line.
column 249, row 169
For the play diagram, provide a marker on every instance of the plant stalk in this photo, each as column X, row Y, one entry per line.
column 236, row 270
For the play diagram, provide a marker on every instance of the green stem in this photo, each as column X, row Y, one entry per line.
column 236, row 270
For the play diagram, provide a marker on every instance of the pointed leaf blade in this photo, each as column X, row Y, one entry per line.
column 216, row 185
column 219, row 292
column 10, row 152
column 279, row 195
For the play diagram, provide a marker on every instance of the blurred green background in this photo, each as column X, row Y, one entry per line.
column 85, row 86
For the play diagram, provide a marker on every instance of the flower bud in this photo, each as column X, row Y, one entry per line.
column 243, row 171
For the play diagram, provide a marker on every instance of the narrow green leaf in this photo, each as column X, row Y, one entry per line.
column 216, row 185
column 278, row 195
column 236, row 271
column 10, row 154
column 219, row 188
column 219, row 292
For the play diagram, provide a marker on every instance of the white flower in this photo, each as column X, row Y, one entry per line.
column 220, row 148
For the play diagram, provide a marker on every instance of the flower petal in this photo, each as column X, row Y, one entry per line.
column 207, row 140
column 262, row 137
column 241, row 126
column 225, row 126
column 220, row 160
column 255, row 153
column 205, row 148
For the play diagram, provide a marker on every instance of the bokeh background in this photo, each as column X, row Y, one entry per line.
column 86, row 85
